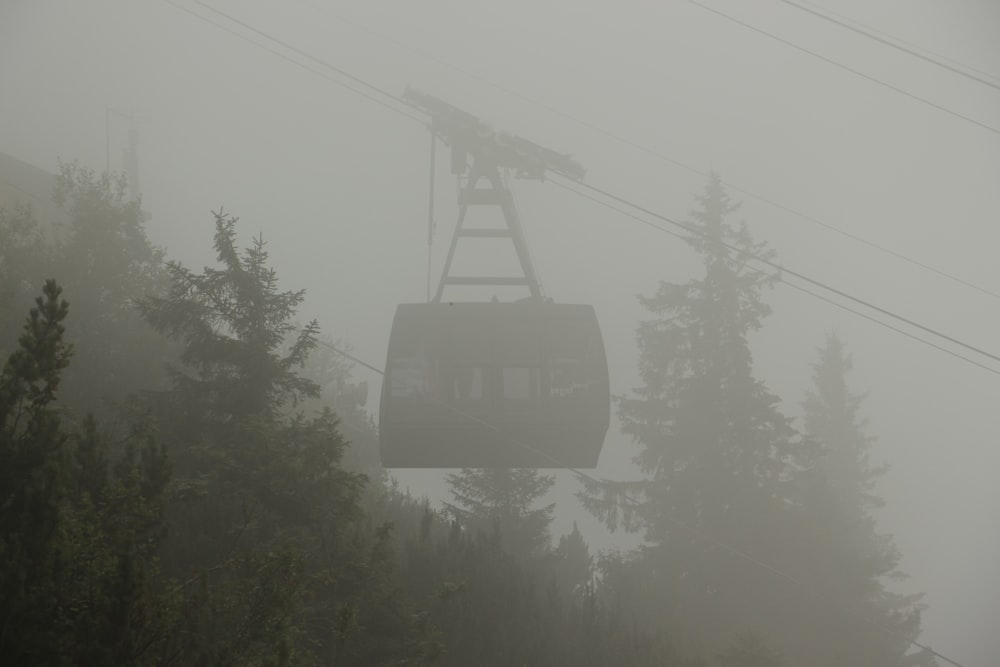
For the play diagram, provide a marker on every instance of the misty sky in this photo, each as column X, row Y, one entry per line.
column 338, row 186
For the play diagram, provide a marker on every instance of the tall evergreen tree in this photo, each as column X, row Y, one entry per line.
column 267, row 518
column 833, row 418
column 840, row 534
column 78, row 534
column 574, row 566
column 503, row 501
column 717, row 453
column 31, row 484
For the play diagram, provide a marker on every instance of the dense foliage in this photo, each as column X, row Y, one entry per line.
column 747, row 533
column 188, row 477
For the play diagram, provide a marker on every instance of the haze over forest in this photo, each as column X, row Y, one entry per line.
column 650, row 98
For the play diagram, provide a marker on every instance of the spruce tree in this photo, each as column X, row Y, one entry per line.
column 502, row 501
column 267, row 517
column 80, row 525
column 717, row 455
column 574, row 566
column 833, row 418
column 855, row 562
column 32, row 485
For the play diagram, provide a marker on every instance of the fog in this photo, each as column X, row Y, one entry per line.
column 338, row 186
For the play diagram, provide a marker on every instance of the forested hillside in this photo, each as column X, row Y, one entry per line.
column 186, row 480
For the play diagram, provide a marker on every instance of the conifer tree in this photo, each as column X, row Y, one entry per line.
column 841, row 538
column 503, row 501
column 574, row 564
column 717, row 454
column 267, row 513
column 832, row 417
column 31, row 484
column 79, row 525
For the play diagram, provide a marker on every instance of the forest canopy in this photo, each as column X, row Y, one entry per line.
column 186, row 480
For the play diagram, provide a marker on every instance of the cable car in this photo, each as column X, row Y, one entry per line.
column 515, row 385
column 521, row 384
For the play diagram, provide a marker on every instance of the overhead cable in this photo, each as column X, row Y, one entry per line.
column 644, row 148
column 788, row 283
column 785, row 269
column 847, row 68
column 646, row 211
column 293, row 61
column 891, row 44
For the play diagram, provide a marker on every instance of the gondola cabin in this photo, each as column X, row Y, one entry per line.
column 518, row 385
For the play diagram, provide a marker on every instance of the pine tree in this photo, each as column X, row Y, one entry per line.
column 78, row 542
column 574, row 566
column 31, row 484
column 832, row 417
column 717, row 453
column 848, row 553
column 268, row 516
column 502, row 501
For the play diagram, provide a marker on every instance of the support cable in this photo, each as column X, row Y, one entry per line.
column 605, row 193
column 654, row 153
column 884, row 84
column 784, row 269
column 890, row 44
column 295, row 62
column 787, row 283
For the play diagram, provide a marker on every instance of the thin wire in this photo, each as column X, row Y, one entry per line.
column 652, row 213
column 898, row 40
column 800, row 288
column 297, row 63
column 888, row 43
column 638, row 207
column 830, row 61
column 654, row 153
column 699, row 534
column 784, row 269
column 313, row 58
